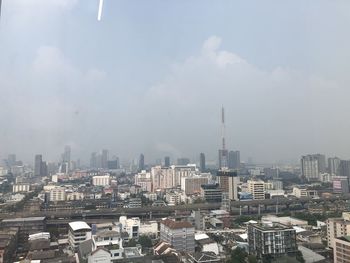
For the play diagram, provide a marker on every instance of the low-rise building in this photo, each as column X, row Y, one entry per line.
column 101, row 180
column 131, row 226
column 21, row 188
column 26, row 226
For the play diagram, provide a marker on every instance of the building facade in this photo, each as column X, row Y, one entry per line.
column 257, row 189
column 178, row 234
column 271, row 240
column 341, row 250
column 101, row 180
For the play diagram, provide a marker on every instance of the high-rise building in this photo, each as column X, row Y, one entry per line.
column 183, row 161
column 228, row 181
column 179, row 234
column 38, row 165
column 11, row 159
column 141, row 162
column 312, row 166
column 192, row 184
column 344, row 168
column 234, row 160
column 144, row 179
column 43, row 169
column 257, row 189
column 272, row 240
column 93, row 160
column 333, row 165
column 166, row 161
column 202, row 162
column 66, row 154
column 113, row 164
column 104, row 159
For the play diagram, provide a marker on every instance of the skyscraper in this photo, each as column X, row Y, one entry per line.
column 93, row 160
column 11, row 159
column 38, row 164
column 312, row 166
column 166, row 161
column 142, row 162
column 202, row 162
column 333, row 165
column 104, row 159
column 66, row 154
column 234, row 160
column 344, row 168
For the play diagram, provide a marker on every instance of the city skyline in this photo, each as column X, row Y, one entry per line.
column 71, row 87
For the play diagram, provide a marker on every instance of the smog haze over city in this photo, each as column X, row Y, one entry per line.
column 152, row 76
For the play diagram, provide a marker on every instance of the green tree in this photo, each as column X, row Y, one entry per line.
column 252, row 259
column 131, row 243
column 145, row 241
column 238, row 256
column 299, row 257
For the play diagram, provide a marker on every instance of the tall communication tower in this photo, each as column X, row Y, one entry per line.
column 223, row 128
column 223, row 153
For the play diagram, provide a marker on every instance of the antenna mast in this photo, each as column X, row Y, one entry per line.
column 223, row 128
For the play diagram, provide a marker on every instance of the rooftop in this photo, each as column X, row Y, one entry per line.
column 344, row 238
column 79, row 225
column 271, row 226
column 176, row 224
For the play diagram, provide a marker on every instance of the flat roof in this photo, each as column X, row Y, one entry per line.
column 344, row 238
column 176, row 224
column 79, row 225
column 21, row 219
column 200, row 236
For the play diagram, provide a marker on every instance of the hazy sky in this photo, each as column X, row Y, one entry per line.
column 152, row 76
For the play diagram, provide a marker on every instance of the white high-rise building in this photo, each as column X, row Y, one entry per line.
column 312, row 166
column 144, row 180
column 333, row 165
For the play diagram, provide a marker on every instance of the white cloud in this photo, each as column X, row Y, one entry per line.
column 271, row 115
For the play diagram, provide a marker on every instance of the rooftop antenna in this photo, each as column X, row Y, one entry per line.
column 223, row 128
column 99, row 14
